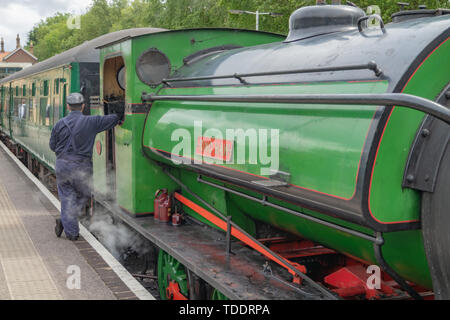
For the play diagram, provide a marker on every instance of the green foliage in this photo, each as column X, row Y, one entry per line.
column 52, row 36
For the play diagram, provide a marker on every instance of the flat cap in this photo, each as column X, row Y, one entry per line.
column 75, row 98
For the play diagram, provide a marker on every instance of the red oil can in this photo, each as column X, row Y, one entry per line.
column 177, row 220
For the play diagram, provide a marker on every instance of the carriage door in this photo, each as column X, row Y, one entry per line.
column 114, row 99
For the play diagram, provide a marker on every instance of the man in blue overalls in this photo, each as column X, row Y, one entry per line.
column 72, row 140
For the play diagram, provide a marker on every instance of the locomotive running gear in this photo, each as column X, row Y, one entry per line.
column 72, row 140
column 75, row 98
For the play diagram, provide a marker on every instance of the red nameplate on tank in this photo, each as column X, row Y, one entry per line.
column 215, row 148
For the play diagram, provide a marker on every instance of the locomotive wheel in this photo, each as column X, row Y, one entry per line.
column 435, row 225
column 172, row 276
column 217, row 295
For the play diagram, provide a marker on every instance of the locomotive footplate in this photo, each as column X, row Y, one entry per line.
column 242, row 275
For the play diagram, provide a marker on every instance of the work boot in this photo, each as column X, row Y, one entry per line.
column 73, row 238
column 59, row 228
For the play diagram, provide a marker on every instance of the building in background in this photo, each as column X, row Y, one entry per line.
column 13, row 61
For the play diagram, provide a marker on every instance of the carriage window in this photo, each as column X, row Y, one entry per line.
column 48, row 115
column 33, row 89
column 24, row 90
column 23, row 110
column 45, row 88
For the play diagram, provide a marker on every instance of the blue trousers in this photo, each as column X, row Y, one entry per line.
column 74, row 180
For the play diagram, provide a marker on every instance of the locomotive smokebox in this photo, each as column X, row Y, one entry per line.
column 313, row 21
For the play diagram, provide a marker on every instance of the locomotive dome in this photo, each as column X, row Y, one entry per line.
column 317, row 20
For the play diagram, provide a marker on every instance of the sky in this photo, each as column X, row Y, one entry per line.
column 19, row 16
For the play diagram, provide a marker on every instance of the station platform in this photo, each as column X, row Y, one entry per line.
column 35, row 264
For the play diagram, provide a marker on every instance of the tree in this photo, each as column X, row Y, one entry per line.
column 52, row 35
column 48, row 34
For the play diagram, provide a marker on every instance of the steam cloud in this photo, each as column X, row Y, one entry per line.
column 117, row 238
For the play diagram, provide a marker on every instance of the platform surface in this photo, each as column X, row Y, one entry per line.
column 34, row 263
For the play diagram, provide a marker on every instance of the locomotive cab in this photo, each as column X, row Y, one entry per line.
column 114, row 93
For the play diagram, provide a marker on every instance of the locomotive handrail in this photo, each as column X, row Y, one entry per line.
column 384, row 99
column 372, row 65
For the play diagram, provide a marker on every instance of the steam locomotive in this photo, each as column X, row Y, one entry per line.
column 265, row 167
